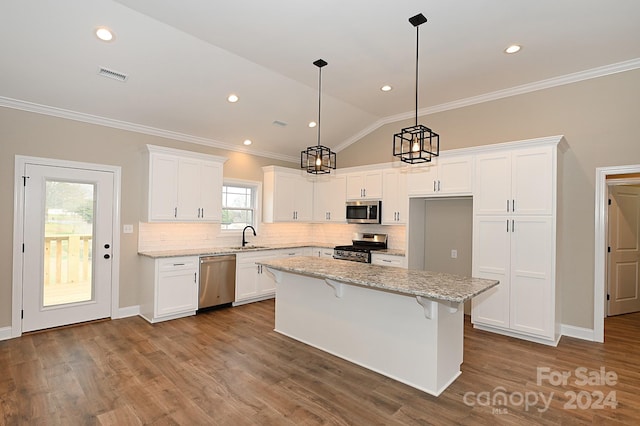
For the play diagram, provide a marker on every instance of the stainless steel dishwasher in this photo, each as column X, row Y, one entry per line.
column 217, row 280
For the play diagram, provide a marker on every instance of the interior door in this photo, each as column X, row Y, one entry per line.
column 624, row 258
column 68, row 226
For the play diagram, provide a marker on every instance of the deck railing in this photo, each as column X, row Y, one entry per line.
column 67, row 258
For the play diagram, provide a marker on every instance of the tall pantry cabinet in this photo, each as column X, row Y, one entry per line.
column 514, row 239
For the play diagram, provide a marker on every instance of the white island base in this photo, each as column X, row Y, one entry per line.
column 411, row 339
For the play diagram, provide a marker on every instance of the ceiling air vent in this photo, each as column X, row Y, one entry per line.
column 106, row 72
column 279, row 123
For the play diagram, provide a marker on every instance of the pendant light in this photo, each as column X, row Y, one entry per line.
column 318, row 159
column 416, row 144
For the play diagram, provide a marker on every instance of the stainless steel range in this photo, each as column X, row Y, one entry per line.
column 360, row 250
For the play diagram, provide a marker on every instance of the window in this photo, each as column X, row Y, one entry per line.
column 239, row 205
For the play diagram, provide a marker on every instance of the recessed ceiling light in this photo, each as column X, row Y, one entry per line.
column 514, row 48
column 312, row 124
column 386, row 88
column 247, row 142
column 104, row 34
column 232, row 98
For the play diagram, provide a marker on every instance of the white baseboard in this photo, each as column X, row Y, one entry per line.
column 5, row 333
column 577, row 332
column 129, row 311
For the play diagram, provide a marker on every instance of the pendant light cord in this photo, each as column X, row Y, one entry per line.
column 417, row 49
column 319, row 97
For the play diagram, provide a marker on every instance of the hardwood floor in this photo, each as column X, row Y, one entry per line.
column 228, row 367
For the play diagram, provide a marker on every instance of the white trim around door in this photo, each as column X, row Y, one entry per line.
column 18, row 231
column 600, row 270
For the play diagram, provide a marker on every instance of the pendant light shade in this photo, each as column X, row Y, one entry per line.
column 318, row 159
column 418, row 143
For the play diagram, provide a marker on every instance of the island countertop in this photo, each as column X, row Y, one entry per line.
column 432, row 285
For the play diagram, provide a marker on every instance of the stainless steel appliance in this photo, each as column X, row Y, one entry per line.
column 217, row 281
column 369, row 211
column 360, row 250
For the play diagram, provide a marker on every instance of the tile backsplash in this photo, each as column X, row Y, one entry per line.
column 177, row 236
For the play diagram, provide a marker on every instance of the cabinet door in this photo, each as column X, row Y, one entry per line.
column 492, row 183
column 176, row 292
column 330, row 194
column 246, row 280
column 422, row 180
column 395, row 198
column 454, row 176
column 210, row 192
column 532, row 181
column 302, row 199
column 355, row 186
column 373, row 184
column 189, row 183
column 491, row 251
column 285, row 189
column 163, row 187
column 532, row 296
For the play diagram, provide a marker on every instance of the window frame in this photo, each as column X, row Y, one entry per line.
column 257, row 199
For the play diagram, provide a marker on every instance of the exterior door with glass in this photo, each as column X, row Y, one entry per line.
column 68, row 227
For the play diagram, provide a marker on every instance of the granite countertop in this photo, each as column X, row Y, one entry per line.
column 213, row 251
column 432, row 285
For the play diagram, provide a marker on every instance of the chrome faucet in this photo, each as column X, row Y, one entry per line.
column 244, row 241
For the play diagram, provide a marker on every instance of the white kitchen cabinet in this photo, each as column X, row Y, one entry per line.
column 395, row 199
column 514, row 241
column 183, row 186
column 388, row 260
column 364, row 185
column 169, row 288
column 287, row 195
column 329, row 199
column 519, row 181
column 443, row 176
column 253, row 282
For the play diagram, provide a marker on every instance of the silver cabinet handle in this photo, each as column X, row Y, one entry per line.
column 513, row 206
column 175, row 212
column 513, row 226
column 507, row 206
column 438, row 186
column 507, row 225
column 434, row 186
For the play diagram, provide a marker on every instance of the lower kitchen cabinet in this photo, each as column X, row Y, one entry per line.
column 253, row 281
column 325, row 252
column 169, row 288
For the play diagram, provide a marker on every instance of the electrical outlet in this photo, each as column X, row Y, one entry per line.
column 127, row 229
column 454, row 254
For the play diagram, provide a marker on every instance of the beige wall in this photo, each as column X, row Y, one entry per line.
column 599, row 119
column 23, row 133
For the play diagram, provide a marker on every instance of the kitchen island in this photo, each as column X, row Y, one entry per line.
column 407, row 325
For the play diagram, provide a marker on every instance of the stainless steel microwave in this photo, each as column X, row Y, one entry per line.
column 364, row 211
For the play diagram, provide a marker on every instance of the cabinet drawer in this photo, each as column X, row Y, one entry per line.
column 388, row 260
column 178, row 263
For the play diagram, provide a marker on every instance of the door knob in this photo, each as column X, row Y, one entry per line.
column 107, row 256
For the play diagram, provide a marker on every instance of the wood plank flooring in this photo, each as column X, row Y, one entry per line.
column 228, row 367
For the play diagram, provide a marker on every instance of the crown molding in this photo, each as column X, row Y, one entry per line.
column 500, row 94
column 137, row 128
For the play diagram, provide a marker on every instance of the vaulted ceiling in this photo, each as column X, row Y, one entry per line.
column 183, row 58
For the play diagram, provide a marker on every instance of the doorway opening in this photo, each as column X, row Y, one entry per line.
column 604, row 176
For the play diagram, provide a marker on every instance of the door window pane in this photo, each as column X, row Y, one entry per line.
column 68, row 242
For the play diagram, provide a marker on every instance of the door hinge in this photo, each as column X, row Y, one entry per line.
column 24, row 180
column 608, row 249
column 609, row 201
column 22, row 314
column 23, row 247
column 608, row 296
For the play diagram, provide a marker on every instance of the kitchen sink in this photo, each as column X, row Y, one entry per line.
column 247, row 247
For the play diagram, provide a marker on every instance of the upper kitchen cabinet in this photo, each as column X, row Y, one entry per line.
column 364, row 185
column 395, row 199
column 329, row 199
column 444, row 176
column 287, row 195
column 516, row 181
column 183, row 186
